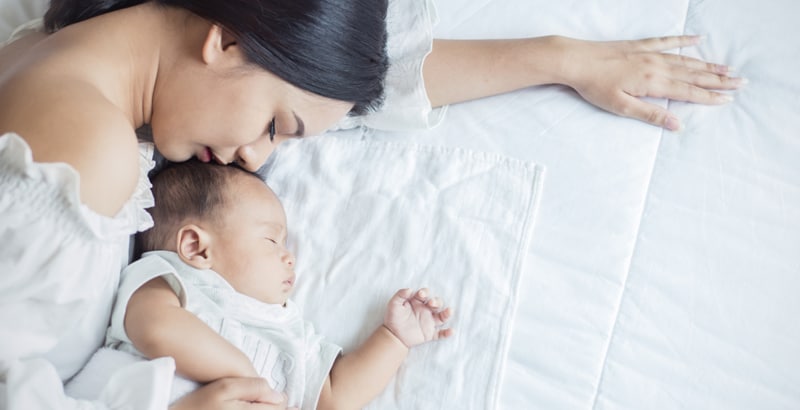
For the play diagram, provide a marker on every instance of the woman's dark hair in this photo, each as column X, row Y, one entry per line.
column 332, row 48
column 182, row 191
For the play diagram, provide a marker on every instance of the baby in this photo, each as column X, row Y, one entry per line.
column 212, row 291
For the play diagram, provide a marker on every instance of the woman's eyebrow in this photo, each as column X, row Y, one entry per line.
column 301, row 127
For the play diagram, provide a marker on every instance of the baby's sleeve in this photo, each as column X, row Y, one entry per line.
column 320, row 355
column 406, row 106
column 133, row 277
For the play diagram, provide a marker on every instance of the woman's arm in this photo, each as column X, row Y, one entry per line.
column 158, row 326
column 610, row 75
column 242, row 393
column 93, row 137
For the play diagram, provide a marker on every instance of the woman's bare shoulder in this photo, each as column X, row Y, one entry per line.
column 12, row 51
column 66, row 120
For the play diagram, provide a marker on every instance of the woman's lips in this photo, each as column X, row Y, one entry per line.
column 206, row 155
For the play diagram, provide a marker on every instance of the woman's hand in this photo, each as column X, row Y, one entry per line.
column 611, row 75
column 614, row 75
column 233, row 393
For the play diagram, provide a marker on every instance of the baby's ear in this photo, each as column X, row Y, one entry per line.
column 193, row 246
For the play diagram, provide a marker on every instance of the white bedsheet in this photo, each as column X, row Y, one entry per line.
column 367, row 218
column 665, row 268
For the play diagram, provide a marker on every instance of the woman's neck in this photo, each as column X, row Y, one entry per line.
column 126, row 53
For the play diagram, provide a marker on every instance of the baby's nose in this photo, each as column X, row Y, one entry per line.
column 289, row 258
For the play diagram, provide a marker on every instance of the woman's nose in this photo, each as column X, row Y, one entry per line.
column 252, row 156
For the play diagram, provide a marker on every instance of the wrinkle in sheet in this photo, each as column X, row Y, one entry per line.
column 622, row 294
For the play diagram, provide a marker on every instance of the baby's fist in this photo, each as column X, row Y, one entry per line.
column 415, row 318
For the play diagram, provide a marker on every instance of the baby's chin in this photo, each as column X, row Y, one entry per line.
column 278, row 301
column 285, row 300
column 281, row 302
column 270, row 298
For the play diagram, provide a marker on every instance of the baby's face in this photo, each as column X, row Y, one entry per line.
column 249, row 243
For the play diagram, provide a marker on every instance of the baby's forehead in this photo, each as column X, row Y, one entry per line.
column 249, row 186
column 242, row 178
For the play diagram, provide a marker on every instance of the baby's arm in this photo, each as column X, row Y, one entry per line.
column 158, row 326
column 412, row 318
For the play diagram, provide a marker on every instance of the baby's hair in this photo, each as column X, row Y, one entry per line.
column 185, row 191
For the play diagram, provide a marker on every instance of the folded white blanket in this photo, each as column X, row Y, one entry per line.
column 367, row 218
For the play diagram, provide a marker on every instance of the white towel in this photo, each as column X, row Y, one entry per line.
column 367, row 218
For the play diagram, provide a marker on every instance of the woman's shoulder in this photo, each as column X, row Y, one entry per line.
column 64, row 119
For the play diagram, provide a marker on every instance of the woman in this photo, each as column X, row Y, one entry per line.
column 221, row 81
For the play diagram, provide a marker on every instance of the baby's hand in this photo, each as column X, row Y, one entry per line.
column 415, row 318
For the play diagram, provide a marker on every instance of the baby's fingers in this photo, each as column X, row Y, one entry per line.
column 422, row 295
column 444, row 333
column 434, row 303
column 401, row 297
column 443, row 316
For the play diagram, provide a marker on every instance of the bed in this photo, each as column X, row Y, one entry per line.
column 663, row 270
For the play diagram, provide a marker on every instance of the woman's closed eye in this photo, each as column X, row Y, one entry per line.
column 271, row 130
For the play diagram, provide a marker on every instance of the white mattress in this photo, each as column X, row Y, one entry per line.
column 664, row 270
column 665, row 267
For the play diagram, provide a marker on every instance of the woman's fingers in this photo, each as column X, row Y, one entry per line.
column 692, row 63
column 663, row 43
column 250, row 389
column 688, row 69
column 233, row 393
column 628, row 105
column 708, row 80
column 701, row 73
column 682, row 91
column 618, row 74
column 633, row 107
column 661, row 79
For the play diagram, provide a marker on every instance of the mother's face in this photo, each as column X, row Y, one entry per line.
column 224, row 110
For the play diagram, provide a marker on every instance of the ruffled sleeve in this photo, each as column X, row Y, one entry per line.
column 135, row 210
column 406, row 105
column 61, row 265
